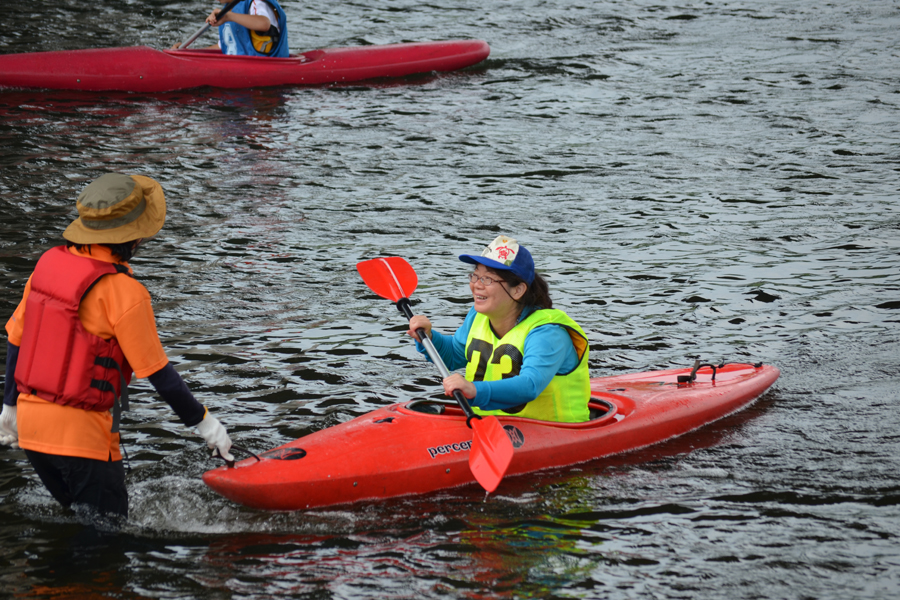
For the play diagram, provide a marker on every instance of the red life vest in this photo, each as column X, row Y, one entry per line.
column 59, row 360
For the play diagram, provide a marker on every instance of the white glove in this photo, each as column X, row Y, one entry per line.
column 216, row 437
column 9, row 432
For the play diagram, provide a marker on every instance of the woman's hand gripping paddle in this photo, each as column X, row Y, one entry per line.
column 394, row 278
column 206, row 26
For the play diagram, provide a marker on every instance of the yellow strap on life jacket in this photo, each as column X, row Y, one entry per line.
column 262, row 42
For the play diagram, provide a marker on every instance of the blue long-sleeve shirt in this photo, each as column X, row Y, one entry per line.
column 548, row 351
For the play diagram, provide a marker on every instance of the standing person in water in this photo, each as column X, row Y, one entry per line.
column 83, row 326
column 251, row 28
column 522, row 357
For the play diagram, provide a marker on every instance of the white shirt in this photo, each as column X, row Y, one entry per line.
column 258, row 7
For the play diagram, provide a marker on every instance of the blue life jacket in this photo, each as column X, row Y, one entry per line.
column 238, row 40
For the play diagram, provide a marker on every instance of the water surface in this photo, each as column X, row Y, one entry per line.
column 696, row 180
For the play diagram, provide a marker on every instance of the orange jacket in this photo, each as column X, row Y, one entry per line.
column 117, row 307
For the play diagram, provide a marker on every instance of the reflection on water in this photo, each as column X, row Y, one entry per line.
column 713, row 180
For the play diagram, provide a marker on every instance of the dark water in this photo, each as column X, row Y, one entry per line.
column 702, row 179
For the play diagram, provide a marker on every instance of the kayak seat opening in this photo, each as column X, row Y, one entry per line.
column 601, row 409
column 428, row 407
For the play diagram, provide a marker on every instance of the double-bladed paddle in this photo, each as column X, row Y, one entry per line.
column 491, row 452
column 206, row 26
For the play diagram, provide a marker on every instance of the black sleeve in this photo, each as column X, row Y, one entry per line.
column 175, row 392
column 11, row 392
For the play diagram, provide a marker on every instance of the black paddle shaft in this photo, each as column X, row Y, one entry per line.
column 203, row 29
column 228, row 7
column 404, row 307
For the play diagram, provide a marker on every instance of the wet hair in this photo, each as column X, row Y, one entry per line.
column 536, row 296
column 124, row 251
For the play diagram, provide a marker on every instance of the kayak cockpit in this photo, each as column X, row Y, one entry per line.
column 602, row 410
column 430, row 407
column 216, row 54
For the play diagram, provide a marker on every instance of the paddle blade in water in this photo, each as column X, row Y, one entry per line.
column 491, row 452
column 390, row 277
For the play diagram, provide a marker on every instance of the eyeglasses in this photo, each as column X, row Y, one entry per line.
column 485, row 281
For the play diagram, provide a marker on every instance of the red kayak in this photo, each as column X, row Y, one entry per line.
column 143, row 69
column 423, row 446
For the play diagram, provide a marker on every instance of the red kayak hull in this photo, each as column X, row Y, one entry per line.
column 398, row 451
column 143, row 69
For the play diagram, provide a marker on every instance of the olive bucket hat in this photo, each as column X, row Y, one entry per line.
column 116, row 208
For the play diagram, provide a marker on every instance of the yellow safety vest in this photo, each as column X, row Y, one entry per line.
column 565, row 398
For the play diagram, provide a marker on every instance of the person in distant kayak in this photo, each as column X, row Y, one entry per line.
column 84, row 324
column 522, row 357
column 251, row 28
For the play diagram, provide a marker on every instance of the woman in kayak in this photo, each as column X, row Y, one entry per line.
column 251, row 28
column 522, row 357
column 83, row 326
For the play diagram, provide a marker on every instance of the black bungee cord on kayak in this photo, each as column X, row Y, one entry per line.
column 698, row 365
column 230, row 463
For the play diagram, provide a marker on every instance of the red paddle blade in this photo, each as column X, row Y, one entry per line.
column 390, row 277
column 491, row 452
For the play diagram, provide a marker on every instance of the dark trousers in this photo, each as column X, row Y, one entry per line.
column 72, row 480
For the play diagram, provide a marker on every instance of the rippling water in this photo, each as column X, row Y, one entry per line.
column 704, row 179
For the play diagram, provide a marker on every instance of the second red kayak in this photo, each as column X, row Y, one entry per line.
column 144, row 69
column 423, row 446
